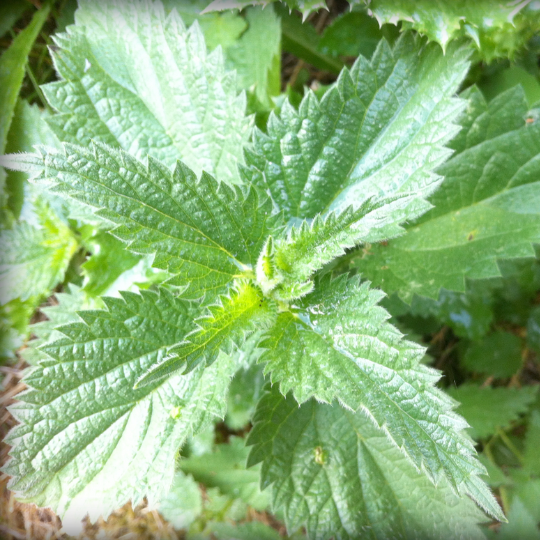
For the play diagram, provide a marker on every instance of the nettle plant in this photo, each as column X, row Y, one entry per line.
column 271, row 247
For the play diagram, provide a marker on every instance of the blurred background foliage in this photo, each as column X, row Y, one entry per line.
column 486, row 341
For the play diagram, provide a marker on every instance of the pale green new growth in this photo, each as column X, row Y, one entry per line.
column 202, row 232
column 87, row 442
column 487, row 209
column 286, row 265
column 224, row 326
column 338, row 345
column 334, row 472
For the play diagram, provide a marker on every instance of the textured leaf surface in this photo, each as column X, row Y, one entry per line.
column 487, row 208
column 379, row 131
column 305, row 6
column 135, row 78
column 33, row 259
column 202, row 232
column 224, row 326
column 70, row 302
column 487, row 409
column 86, row 441
column 333, row 471
column 225, row 468
column 285, row 266
column 339, row 346
column 498, row 29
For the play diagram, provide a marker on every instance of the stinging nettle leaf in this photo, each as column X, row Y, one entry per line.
column 286, row 265
column 331, row 470
column 378, row 132
column 223, row 327
column 86, row 441
column 202, row 232
column 337, row 344
column 486, row 210
column 134, row 77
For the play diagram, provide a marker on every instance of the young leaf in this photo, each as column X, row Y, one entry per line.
column 339, row 346
column 135, row 78
column 33, row 259
column 334, row 472
column 486, row 409
column 285, row 266
column 202, row 232
column 223, row 326
column 379, row 131
column 487, row 208
column 86, row 441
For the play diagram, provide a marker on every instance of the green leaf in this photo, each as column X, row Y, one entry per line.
column 521, row 524
column 28, row 128
column 225, row 468
column 256, row 55
column 183, row 504
column 285, row 266
column 301, row 39
column 304, row 6
column 202, row 232
column 223, row 327
column 12, row 68
column 109, row 260
column 487, row 208
column 531, row 457
column 64, row 312
column 244, row 393
column 487, row 409
column 339, row 346
column 533, row 329
column 334, row 472
column 33, row 259
column 10, row 12
column 86, row 441
column 353, row 33
column 508, row 78
column 498, row 29
column 360, row 141
column 134, row 78
column 498, row 354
